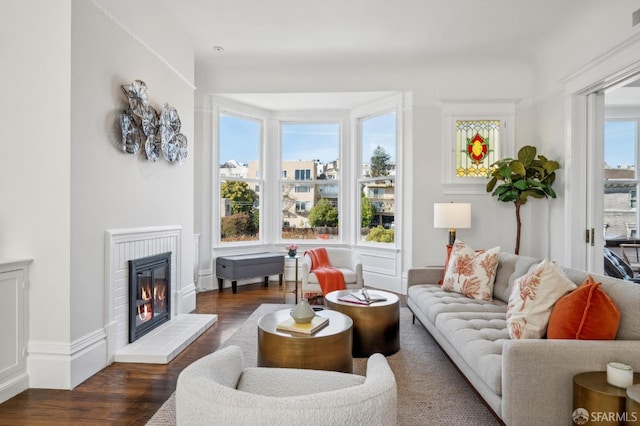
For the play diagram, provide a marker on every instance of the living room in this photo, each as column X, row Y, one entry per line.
column 69, row 183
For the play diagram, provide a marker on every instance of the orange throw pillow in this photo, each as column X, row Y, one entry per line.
column 587, row 313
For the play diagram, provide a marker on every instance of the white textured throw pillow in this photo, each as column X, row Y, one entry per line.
column 471, row 272
column 532, row 299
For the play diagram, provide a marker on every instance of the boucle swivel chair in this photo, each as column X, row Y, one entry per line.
column 218, row 390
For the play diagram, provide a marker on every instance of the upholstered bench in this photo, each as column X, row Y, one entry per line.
column 244, row 266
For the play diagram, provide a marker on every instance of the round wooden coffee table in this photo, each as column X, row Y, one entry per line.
column 327, row 349
column 376, row 327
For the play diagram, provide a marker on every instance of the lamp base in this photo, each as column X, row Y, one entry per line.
column 452, row 236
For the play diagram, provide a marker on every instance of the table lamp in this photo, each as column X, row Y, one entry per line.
column 452, row 215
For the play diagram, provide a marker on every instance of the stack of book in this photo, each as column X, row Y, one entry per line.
column 308, row 328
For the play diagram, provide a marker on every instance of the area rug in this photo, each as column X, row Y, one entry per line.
column 430, row 390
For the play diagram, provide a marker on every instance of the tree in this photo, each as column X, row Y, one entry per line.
column 381, row 235
column 323, row 214
column 380, row 162
column 367, row 210
column 241, row 196
column 524, row 177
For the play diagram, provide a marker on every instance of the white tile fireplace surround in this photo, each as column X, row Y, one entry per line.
column 165, row 342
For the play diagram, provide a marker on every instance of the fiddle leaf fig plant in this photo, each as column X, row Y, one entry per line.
column 521, row 178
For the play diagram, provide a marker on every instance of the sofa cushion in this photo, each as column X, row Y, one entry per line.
column 478, row 338
column 292, row 382
column 471, row 272
column 532, row 299
column 348, row 274
column 511, row 267
column 586, row 313
column 433, row 301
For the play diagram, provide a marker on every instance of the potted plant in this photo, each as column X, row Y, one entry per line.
column 292, row 249
column 524, row 177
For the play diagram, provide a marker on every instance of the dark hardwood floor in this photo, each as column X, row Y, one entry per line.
column 129, row 394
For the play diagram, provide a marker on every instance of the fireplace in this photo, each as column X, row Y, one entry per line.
column 149, row 294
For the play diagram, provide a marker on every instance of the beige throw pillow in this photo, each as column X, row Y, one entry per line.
column 471, row 272
column 532, row 299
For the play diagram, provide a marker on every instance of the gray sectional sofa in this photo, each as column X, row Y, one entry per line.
column 525, row 382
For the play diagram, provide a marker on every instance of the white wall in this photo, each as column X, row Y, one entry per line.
column 35, row 173
column 111, row 189
column 64, row 180
column 598, row 27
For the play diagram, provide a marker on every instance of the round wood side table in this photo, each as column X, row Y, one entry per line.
column 604, row 403
column 327, row 349
column 633, row 405
column 376, row 327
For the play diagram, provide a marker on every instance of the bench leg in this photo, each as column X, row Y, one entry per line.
column 266, row 280
column 280, row 280
column 220, row 280
column 234, row 287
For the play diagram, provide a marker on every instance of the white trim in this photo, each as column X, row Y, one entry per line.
column 602, row 64
column 144, row 44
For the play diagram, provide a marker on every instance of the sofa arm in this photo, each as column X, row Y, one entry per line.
column 424, row 275
column 537, row 375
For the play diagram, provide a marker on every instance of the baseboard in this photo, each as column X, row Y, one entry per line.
column 13, row 387
column 186, row 299
column 205, row 280
column 54, row 365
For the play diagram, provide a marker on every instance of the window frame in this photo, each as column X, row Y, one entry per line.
column 272, row 175
column 394, row 104
column 454, row 110
column 306, row 179
column 217, row 179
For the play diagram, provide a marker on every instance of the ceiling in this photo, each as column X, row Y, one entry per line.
column 303, row 31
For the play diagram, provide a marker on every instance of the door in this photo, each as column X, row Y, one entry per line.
column 613, row 179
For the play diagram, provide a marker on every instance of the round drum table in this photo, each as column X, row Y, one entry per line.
column 599, row 400
column 633, row 405
column 376, row 327
column 327, row 349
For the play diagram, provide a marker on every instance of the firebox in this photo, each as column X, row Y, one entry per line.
column 149, row 294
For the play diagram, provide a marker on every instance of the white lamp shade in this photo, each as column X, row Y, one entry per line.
column 452, row 215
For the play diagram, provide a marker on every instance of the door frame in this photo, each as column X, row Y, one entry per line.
column 605, row 72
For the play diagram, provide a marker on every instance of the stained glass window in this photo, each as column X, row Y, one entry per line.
column 477, row 147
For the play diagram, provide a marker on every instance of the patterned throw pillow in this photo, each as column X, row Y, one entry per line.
column 471, row 272
column 532, row 299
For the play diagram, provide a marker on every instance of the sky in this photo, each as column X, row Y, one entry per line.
column 619, row 143
column 240, row 139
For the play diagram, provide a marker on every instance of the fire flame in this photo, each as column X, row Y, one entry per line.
column 143, row 315
column 145, row 293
